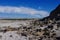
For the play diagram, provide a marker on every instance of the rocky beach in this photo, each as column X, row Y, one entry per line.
column 47, row 28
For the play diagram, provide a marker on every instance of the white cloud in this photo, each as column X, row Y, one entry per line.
column 24, row 10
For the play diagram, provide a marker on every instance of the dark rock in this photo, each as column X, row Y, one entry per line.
column 55, row 14
column 10, row 35
column 58, row 38
column 38, row 30
column 23, row 34
column 50, row 26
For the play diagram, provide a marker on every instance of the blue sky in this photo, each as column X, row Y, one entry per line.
column 27, row 8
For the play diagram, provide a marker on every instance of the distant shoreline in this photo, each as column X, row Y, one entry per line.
column 20, row 19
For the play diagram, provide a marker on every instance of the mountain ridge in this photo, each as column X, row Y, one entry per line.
column 54, row 14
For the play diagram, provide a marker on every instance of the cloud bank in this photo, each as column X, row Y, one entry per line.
column 23, row 10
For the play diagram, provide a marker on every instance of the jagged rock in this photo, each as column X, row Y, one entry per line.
column 55, row 14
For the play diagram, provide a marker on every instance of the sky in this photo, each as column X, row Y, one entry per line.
column 27, row 8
